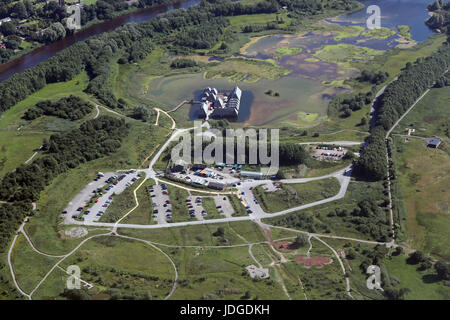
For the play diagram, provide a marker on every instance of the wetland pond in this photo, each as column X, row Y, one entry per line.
column 319, row 62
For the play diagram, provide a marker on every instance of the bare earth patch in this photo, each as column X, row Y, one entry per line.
column 317, row 262
column 76, row 232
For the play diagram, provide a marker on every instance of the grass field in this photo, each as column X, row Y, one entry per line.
column 178, row 198
column 258, row 19
column 210, row 207
column 404, row 31
column 130, row 267
column 292, row 195
column 423, row 285
column 430, row 117
column 29, row 266
column 247, row 70
column 343, row 54
column 286, row 51
column 201, row 235
column 356, row 192
column 395, row 59
column 239, row 209
column 424, row 178
column 379, row 33
column 144, row 213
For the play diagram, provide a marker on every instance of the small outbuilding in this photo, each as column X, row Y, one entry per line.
column 433, row 142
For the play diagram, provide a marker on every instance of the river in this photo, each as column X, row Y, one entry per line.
column 47, row 51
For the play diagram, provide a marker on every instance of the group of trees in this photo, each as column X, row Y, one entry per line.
column 373, row 77
column 440, row 19
column 93, row 139
column 204, row 35
column 72, row 108
column 181, row 63
column 396, row 99
column 442, row 268
column 11, row 217
column 346, row 104
column 368, row 218
column 299, row 220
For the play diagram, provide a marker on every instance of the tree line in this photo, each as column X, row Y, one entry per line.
column 397, row 98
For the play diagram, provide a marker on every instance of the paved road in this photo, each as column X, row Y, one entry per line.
column 34, row 155
column 225, row 206
column 407, row 111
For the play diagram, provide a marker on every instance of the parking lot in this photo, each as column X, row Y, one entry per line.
column 162, row 208
column 195, row 203
column 105, row 200
column 224, row 206
column 271, row 187
column 82, row 198
column 327, row 153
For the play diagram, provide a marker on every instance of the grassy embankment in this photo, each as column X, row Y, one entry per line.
column 334, row 225
column 292, row 195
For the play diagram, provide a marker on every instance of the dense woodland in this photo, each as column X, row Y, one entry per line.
column 72, row 108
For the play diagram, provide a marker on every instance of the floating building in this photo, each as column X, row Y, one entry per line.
column 217, row 105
